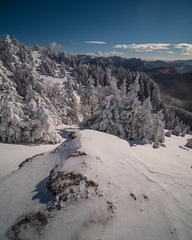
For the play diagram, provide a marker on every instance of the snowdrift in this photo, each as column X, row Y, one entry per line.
column 98, row 186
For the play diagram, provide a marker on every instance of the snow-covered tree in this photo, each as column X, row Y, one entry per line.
column 123, row 88
column 62, row 70
column 158, row 126
column 106, row 118
column 36, row 47
column 16, row 123
column 42, row 127
column 126, row 117
column 132, row 104
column 80, row 90
column 144, row 122
column 116, row 98
column 89, row 98
column 111, row 88
column 48, row 66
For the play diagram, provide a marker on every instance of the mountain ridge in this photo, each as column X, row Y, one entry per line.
column 175, row 83
column 137, row 64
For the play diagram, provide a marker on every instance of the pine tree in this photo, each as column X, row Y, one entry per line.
column 111, row 88
column 123, row 88
column 158, row 126
column 145, row 122
column 89, row 99
column 80, row 88
column 132, row 104
column 62, row 72
column 106, row 118
column 36, row 47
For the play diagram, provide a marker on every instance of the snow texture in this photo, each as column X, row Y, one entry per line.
column 98, row 186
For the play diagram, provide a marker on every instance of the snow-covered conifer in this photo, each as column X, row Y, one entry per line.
column 111, row 88
column 132, row 104
column 144, row 122
column 158, row 126
column 123, row 88
column 155, row 98
column 36, row 47
column 43, row 127
column 107, row 78
column 80, row 88
column 142, row 90
column 106, row 118
column 62, row 70
column 89, row 98
column 177, row 130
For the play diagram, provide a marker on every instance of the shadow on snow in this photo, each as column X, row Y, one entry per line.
column 43, row 194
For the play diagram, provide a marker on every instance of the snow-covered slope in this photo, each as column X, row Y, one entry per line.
column 105, row 188
column 36, row 93
column 41, row 89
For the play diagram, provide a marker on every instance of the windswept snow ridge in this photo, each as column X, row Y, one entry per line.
column 98, row 186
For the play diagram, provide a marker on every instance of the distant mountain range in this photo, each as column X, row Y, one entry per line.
column 175, row 85
column 174, row 78
column 137, row 64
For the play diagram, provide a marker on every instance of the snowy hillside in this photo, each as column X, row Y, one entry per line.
column 41, row 89
column 36, row 93
column 105, row 184
column 98, row 186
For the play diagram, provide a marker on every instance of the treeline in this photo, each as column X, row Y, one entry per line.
column 31, row 105
column 173, row 116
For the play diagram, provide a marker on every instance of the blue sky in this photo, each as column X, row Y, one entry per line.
column 147, row 29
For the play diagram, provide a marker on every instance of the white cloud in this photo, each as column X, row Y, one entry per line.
column 185, row 48
column 95, row 42
column 171, row 52
column 148, row 47
column 121, row 46
column 54, row 46
column 104, row 54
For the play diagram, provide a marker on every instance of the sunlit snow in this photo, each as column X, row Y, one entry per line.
column 141, row 192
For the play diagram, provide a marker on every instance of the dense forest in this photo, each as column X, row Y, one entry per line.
column 41, row 89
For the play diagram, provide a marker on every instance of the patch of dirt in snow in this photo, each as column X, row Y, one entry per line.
column 32, row 220
column 65, row 185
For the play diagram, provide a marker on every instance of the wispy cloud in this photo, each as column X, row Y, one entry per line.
column 104, row 54
column 148, row 47
column 183, row 22
column 74, row 43
column 54, row 46
column 95, row 42
column 185, row 48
